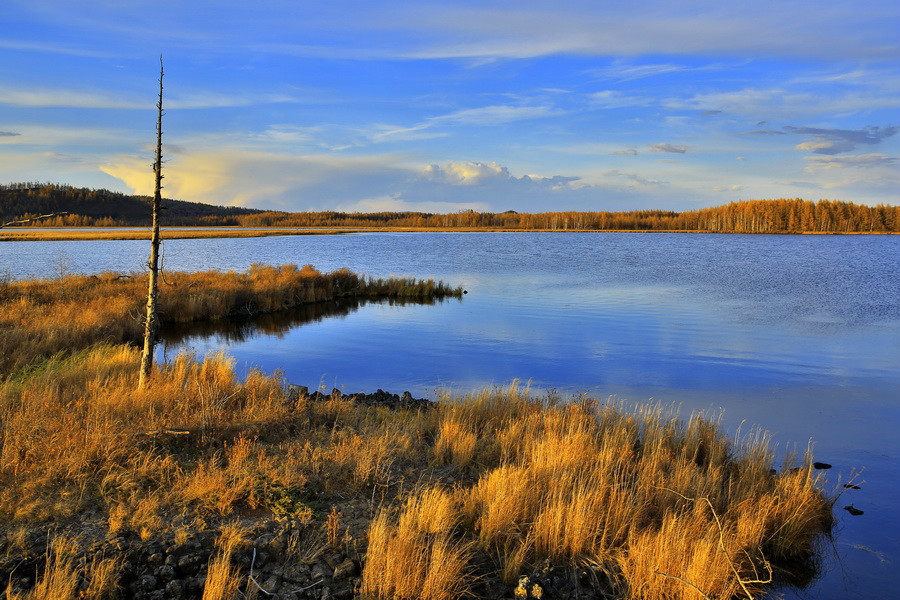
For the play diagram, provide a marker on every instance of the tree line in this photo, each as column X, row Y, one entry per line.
column 750, row 216
column 103, row 208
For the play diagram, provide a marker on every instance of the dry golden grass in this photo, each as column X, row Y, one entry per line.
column 662, row 507
column 12, row 235
column 42, row 317
column 415, row 557
column 223, row 580
column 62, row 579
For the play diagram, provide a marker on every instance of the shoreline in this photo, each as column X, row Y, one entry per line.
column 134, row 233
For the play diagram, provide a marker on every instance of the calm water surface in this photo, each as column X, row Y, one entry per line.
column 799, row 334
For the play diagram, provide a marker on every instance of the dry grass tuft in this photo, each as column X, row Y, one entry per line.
column 415, row 558
column 223, row 580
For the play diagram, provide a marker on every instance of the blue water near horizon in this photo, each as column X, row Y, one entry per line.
column 797, row 334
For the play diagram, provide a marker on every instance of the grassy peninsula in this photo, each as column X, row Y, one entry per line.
column 209, row 485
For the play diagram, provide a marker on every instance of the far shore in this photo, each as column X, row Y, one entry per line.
column 143, row 233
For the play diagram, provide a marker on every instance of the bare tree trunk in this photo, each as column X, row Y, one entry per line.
column 151, row 325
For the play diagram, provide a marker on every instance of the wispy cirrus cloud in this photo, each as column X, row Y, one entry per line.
column 70, row 98
column 616, row 99
column 860, row 161
column 485, row 116
column 9, row 134
column 63, row 98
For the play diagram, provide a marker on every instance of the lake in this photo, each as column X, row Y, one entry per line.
column 798, row 334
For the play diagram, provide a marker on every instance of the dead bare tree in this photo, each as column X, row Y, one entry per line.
column 38, row 218
column 151, row 324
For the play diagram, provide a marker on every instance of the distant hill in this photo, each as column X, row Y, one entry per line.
column 87, row 207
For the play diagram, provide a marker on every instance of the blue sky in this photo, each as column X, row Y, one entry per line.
column 447, row 106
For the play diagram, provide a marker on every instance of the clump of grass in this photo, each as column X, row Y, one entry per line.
column 62, row 579
column 223, row 580
column 414, row 556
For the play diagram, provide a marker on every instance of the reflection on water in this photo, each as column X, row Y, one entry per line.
column 236, row 329
column 799, row 334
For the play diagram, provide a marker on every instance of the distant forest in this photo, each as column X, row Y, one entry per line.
column 102, row 208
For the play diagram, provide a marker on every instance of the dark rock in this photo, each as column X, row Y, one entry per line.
column 188, row 564
column 272, row 584
column 295, row 572
column 853, row 510
column 295, row 392
column 492, row 590
column 821, row 465
column 344, row 570
column 175, row 589
column 165, row 572
column 155, row 559
column 342, row 590
column 148, row 583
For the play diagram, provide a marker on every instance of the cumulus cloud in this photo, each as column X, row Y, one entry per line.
column 669, row 148
column 477, row 173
